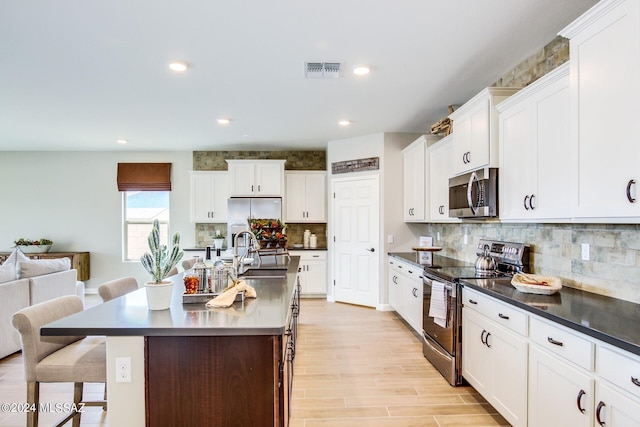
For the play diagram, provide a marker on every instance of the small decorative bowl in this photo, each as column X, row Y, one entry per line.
column 34, row 249
column 522, row 282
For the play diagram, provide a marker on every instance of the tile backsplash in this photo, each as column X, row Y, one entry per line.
column 613, row 268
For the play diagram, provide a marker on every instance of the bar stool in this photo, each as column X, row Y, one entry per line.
column 118, row 287
column 76, row 359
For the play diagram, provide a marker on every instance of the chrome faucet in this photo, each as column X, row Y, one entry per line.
column 237, row 260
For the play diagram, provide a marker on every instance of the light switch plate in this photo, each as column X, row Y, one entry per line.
column 585, row 252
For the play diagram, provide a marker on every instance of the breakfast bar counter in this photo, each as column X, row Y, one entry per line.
column 190, row 365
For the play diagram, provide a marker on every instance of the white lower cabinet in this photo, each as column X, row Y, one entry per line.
column 555, row 376
column 615, row 409
column 559, row 393
column 313, row 272
column 406, row 292
column 494, row 358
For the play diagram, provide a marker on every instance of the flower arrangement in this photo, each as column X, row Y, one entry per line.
column 160, row 260
column 269, row 232
column 27, row 242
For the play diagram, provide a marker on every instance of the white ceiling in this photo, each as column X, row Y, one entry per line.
column 80, row 74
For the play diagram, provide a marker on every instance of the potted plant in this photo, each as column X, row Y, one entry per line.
column 158, row 262
column 218, row 240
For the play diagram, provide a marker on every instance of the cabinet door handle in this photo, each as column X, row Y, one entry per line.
column 598, row 411
column 531, row 202
column 259, row 189
column 473, row 302
column 526, row 199
column 635, row 381
column 486, row 339
column 579, row 400
column 629, row 184
column 502, row 316
column 252, row 188
column 554, row 342
column 482, row 337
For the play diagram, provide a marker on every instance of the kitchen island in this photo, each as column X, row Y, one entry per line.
column 196, row 366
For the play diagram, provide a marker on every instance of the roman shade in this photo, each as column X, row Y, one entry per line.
column 144, row 176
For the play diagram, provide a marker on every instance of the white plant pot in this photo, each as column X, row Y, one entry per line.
column 217, row 243
column 159, row 295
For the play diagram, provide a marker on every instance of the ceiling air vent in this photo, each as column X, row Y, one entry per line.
column 322, row 70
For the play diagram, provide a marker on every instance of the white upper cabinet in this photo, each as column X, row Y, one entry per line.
column 535, row 175
column 258, row 178
column 475, row 130
column 440, row 169
column 208, row 193
column 605, row 125
column 306, row 196
column 414, row 164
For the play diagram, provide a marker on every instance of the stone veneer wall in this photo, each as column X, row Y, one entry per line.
column 614, row 266
column 295, row 160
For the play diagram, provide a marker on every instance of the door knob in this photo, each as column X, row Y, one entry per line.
column 371, row 250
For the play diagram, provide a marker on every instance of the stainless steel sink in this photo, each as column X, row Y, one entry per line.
column 265, row 273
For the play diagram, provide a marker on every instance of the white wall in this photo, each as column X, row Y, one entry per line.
column 72, row 199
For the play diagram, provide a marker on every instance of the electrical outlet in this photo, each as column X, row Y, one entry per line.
column 123, row 369
column 466, row 239
column 390, row 239
column 438, row 236
column 585, row 252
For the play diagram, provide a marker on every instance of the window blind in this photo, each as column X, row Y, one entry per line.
column 144, row 176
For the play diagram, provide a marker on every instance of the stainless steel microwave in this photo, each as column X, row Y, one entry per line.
column 474, row 194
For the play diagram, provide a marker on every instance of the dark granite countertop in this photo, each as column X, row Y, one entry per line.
column 611, row 320
column 129, row 315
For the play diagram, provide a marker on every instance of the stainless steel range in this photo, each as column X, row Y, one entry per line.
column 442, row 309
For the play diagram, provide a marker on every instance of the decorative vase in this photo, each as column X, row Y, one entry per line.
column 217, row 243
column 159, row 295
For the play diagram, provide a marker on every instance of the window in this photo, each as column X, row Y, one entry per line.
column 140, row 209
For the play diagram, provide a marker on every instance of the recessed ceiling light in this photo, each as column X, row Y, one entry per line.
column 361, row 70
column 121, row 141
column 179, row 66
column 344, row 122
column 223, row 121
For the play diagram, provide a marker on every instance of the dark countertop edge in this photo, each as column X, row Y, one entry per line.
column 148, row 332
column 410, row 257
column 594, row 333
column 307, row 249
column 292, row 271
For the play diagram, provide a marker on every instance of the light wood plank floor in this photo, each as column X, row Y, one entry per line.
column 355, row 366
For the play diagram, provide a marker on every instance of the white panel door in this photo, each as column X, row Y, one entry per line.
column 356, row 250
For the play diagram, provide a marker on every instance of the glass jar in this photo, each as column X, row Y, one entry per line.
column 191, row 283
column 200, row 270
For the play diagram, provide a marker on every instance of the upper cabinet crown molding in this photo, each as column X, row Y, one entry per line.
column 592, row 15
column 256, row 178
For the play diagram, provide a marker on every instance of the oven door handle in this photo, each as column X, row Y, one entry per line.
column 447, row 286
column 437, row 350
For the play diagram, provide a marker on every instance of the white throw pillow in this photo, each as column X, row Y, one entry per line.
column 9, row 268
column 7, row 274
column 39, row 267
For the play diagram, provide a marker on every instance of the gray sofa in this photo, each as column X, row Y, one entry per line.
column 36, row 281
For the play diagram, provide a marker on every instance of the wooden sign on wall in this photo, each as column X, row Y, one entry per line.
column 358, row 165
